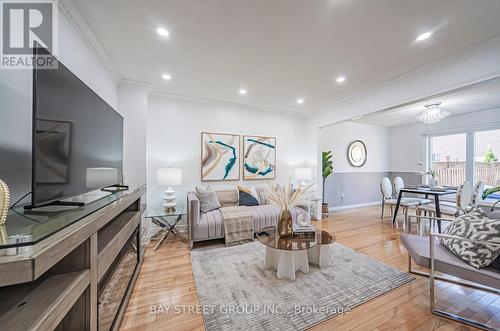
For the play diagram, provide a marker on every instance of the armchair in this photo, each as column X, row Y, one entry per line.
column 428, row 252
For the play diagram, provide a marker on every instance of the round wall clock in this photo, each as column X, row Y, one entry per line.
column 356, row 153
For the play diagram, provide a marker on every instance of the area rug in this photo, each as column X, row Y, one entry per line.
column 237, row 293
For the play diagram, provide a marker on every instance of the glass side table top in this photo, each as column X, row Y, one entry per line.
column 269, row 237
column 160, row 212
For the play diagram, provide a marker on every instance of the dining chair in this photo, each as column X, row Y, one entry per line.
column 398, row 184
column 477, row 193
column 388, row 198
column 462, row 203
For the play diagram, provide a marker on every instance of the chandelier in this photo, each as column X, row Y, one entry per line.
column 433, row 113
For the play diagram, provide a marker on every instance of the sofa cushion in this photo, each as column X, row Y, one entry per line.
column 247, row 196
column 475, row 226
column 227, row 198
column 446, row 262
column 209, row 226
column 262, row 193
column 208, row 199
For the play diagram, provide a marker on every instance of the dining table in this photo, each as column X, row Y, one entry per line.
column 426, row 191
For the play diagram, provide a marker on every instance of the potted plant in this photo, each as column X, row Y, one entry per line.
column 327, row 170
column 490, row 191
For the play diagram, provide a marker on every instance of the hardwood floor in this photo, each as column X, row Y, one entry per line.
column 166, row 279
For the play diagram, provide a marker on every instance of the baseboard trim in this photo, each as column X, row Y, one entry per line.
column 366, row 204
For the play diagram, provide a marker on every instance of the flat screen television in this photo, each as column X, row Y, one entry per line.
column 74, row 130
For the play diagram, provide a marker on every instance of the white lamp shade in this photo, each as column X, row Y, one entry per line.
column 101, row 177
column 303, row 174
column 169, row 177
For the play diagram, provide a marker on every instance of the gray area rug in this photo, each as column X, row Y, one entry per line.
column 236, row 293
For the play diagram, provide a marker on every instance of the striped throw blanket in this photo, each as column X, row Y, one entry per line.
column 238, row 225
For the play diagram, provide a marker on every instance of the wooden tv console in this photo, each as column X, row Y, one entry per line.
column 55, row 285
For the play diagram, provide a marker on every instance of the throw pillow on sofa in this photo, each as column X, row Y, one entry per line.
column 475, row 226
column 262, row 193
column 208, row 199
column 227, row 197
column 248, row 196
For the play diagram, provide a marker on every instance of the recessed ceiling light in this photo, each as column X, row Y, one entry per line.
column 340, row 79
column 423, row 36
column 300, row 101
column 166, row 76
column 243, row 91
column 163, row 32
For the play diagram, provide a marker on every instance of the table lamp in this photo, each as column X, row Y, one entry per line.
column 101, row 177
column 169, row 177
column 303, row 174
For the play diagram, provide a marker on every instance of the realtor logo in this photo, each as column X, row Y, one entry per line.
column 28, row 24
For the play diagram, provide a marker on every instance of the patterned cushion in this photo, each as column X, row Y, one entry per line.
column 208, row 199
column 475, row 226
column 248, row 196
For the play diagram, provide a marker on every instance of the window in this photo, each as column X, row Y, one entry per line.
column 487, row 157
column 471, row 156
column 448, row 158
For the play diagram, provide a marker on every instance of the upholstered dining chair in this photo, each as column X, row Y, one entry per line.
column 398, row 183
column 477, row 192
column 462, row 204
column 388, row 198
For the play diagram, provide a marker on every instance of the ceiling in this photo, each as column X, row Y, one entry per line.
column 483, row 96
column 282, row 50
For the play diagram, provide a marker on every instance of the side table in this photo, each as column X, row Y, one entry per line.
column 164, row 219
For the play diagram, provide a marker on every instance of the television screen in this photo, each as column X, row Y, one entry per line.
column 76, row 134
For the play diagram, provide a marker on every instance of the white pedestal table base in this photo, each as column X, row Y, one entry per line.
column 286, row 263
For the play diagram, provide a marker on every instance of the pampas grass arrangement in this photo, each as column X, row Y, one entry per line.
column 286, row 197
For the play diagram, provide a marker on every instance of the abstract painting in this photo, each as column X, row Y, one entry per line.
column 220, row 156
column 259, row 157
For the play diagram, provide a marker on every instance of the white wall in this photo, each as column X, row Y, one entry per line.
column 337, row 138
column 174, row 133
column 407, row 142
column 84, row 62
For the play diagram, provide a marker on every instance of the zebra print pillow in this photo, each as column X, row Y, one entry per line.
column 475, row 226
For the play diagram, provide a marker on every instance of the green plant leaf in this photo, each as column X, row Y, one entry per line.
column 326, row 163
column 490, row 191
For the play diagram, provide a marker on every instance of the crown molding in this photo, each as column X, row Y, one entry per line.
column 75, row 18
column 241, row 105
column 136, row 83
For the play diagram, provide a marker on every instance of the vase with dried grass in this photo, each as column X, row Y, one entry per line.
column 286, row 197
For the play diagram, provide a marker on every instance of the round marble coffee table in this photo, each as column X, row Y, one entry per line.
column 288, row 255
